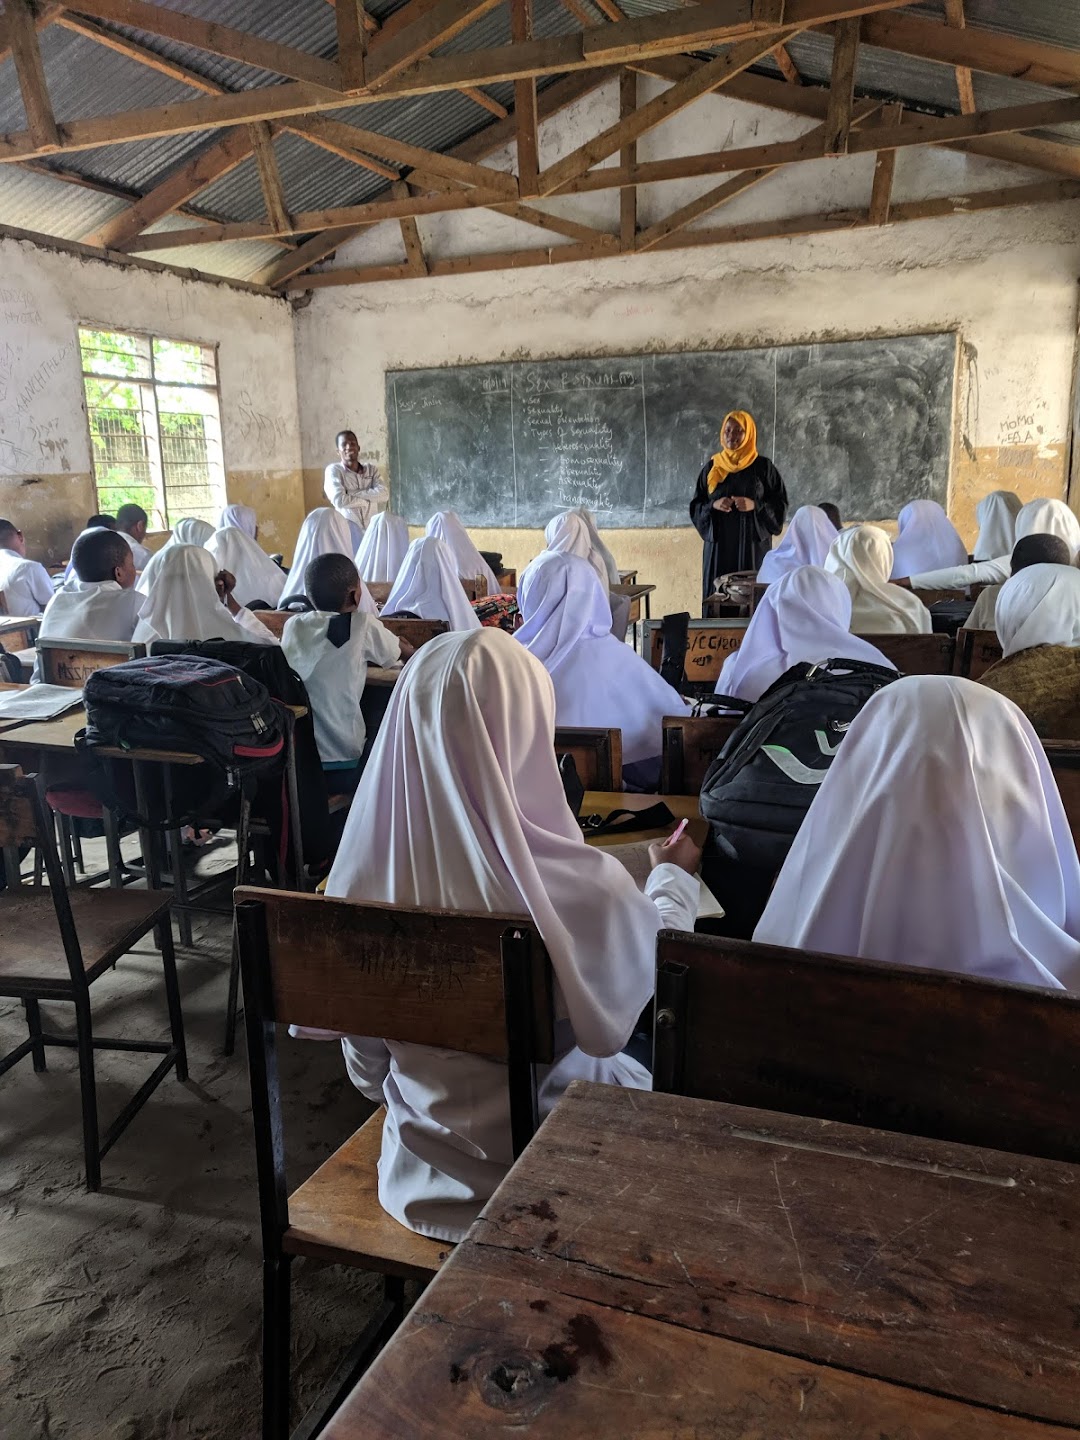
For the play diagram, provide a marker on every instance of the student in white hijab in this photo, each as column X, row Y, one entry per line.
column 1037, row 517
column 100, row 602
column 804, row 617
column 598, row 546
column 184, row 604
column 862, row 557
column 382, row 549
column 444, row 525
column 938, row 838
column 461, row 808
column 241, row 517
column 188, row 531
column 1038, row 622
column 324, row 532
column 599, row 682
column 807, row 541
column 996, row 516
column 926, row 540
column 257, row 577
column 428, row 585
column 568, row 534
column 1031, row 550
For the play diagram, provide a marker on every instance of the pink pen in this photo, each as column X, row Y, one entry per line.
column 681, row 827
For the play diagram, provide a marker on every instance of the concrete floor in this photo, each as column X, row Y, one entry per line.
column 134, row 1314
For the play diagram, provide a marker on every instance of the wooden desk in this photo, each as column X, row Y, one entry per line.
column 635, row 593
column 380, row 675
column 603, row 802
column 658, row 1267
column 50, row 735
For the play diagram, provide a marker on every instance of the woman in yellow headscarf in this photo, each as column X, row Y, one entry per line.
column 739, row 504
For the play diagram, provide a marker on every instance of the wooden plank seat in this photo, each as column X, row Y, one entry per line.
column 690, row 747
column 108, row 923
column 916, row 654
column 597, row 755
column 336, row 1215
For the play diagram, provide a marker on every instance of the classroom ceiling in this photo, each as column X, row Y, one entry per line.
column 264, row 201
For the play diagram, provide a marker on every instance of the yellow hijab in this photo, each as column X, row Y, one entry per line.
column 727, row 462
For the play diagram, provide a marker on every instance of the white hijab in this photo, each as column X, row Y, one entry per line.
column 803, row 617
column 324, row 532
column 1039, row 606
column 926, row 540
column 257, row 577
column 599, row 548
column 862, row 557
column 808, row 540
column 996, row 514
column 185, row 532
column 444, row 525
column 1049, row 517
column 241, row 517
column 183, row 603
column 599, row 681
column 568, row 534
column 461, row 808
column 428, row 584
column 938, row 838
column 382, row 549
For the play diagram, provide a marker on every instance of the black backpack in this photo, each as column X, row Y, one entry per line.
column 181, row 703
column 757, row 790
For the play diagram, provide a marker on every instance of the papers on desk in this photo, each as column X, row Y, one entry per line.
column 634, row 858
column 39, row 702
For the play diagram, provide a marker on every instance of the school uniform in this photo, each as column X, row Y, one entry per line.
column 862, row 557
column 599, row 682
column 183, row 604
column 938, row 838
column 926, row 540
column 188, row 531
column 428, row 585
column 256, row 575
column 239, row 517
column 95, row 610
column 355, row 494
column 803, row 618
column 1037, row 517
column 1038, row 623
column 461, row 808
column 379, row 556
column 324, row 532
column 140, row 553
column 446, row 526
column 331, row 654
column 27, row 586
column 808, row 540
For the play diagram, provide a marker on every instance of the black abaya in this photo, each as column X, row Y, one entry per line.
column 738, row 540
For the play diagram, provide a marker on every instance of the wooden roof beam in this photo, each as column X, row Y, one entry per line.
column 328, row 136
column 415, row 258
column 837, row 128
column 352, row 43
column 528, row 137
column 132, row 50
column 884, row 174
column 262, row 145
column 445, row 20
column 22, row 35
column 955, row 16
column 990, row 51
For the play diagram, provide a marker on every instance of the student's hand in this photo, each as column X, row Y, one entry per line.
column 723, row 504
column 744, row 503
column 407, row 648
column 224, row 584
column 905, row 583
column 685, row 852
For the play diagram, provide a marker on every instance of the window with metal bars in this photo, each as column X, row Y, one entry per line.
column 155, row 425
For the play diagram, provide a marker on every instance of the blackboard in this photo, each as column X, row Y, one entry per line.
column 866, row 424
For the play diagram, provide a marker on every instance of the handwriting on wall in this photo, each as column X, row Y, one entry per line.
column 34, row 428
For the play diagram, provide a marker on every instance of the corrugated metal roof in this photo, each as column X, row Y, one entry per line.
column 88, row 79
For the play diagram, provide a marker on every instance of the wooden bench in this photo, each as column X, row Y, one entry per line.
column 690, row 747
column 274, row 620
column 916, row 654
column 1064, row 757
column 597, row 755
column 480, row 984
column 895, row 1047
column 417, row 632
column 710, row 642
column 976, row 651
column 72, row 662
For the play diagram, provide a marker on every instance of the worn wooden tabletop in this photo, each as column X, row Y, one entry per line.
column 655, row 1266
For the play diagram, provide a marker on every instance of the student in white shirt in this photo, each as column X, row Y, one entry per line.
column 96, row 522
column 191, row 600
column 461, row 808
column 330, row 648
column 100, row 602
column 27, row 587
column 353, row 486
column 1037, row 517
column 131, row 522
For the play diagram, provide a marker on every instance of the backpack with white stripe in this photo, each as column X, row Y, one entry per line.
column 757, row 790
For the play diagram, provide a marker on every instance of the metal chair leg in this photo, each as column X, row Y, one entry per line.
column 176, row 861
column 88, row 1089
column 33, row 1024
column 172, row 995
column 233, row 1003
column 63, row 823
column 76, row 847
column 112, row 848
column 276, row 1387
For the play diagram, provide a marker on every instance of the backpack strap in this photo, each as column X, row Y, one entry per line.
column 624, row 822
column 674, row 637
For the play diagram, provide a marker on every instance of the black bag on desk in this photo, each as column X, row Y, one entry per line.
column 183, row 704
column 758, row 789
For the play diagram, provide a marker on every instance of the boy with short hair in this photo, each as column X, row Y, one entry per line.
column 100, row 601
column 131, row 523
column 27, row 587
column 330, row 648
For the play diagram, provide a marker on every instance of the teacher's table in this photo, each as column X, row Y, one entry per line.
column 662, row 1267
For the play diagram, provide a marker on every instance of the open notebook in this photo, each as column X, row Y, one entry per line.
column 38, row 702
column 634, row 857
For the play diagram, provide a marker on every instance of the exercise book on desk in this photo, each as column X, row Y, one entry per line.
column 39, row 702
column 634, row 858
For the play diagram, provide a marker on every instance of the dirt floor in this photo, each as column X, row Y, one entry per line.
column 134, row 1314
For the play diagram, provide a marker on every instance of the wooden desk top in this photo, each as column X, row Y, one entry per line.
column 380, row 675
column 662, row 1267
column 603, row 802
